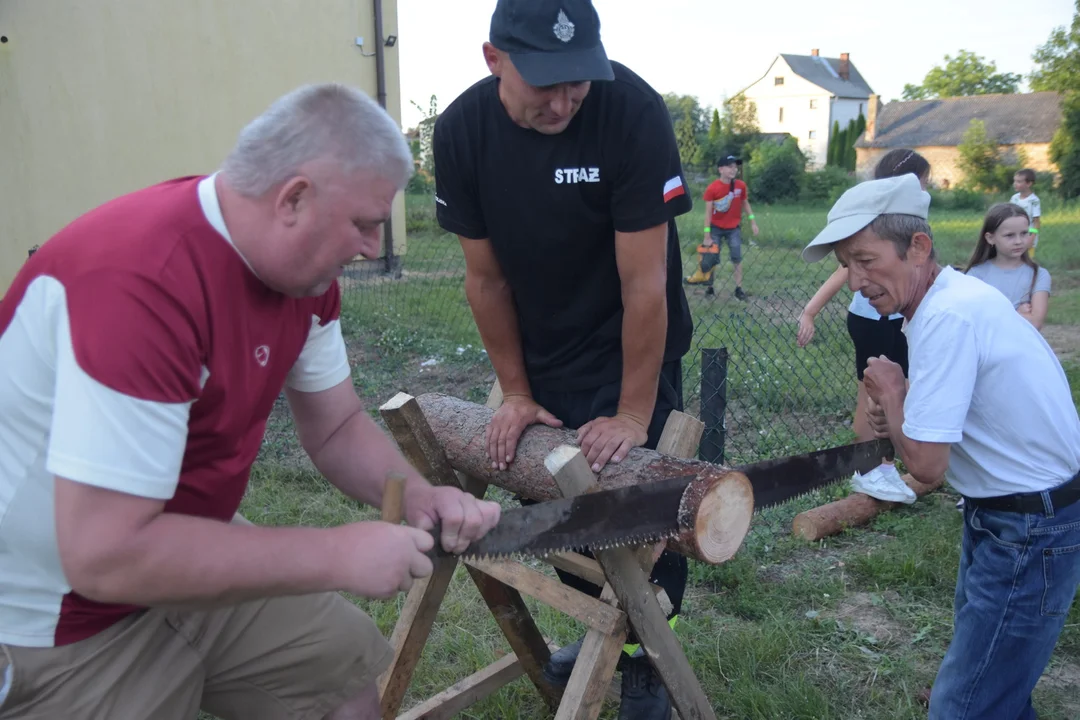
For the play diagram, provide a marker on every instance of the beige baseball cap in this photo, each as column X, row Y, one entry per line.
column 861, row 205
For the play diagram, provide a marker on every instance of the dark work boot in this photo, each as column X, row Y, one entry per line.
column 644, row 696
column 558, row 668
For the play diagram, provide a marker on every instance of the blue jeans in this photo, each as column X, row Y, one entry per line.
column 1018, row 576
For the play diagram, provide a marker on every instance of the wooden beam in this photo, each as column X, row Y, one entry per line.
column 517, row 624
column 412, row 433
column 596, row 614
column 583, row 697
column 468, row 691
column 631, row 586
column 411, row 430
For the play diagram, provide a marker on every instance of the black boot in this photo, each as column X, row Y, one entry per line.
column 558, row 668
column 644, row 696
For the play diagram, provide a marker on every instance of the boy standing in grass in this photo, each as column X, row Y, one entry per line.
column 725, row 200
column 1025, row 197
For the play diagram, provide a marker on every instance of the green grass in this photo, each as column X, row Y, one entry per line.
column 853, row 626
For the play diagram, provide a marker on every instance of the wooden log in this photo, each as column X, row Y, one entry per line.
column 716, row 508
column 854, row 510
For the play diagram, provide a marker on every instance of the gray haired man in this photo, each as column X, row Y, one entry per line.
column 143, row 349
column 989, row 406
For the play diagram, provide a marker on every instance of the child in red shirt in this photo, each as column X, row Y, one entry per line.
column 725, row 200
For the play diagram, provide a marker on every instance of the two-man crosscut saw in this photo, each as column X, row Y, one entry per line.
column 650, row 512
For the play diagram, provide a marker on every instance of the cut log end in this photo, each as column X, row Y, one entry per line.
column 717, row 512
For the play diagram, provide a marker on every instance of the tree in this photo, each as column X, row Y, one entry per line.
column 1058, row 59
column 965, row 74
column 740, row 117
column 423, row 156
column 687, row 106
column 840, row 141
column 979, row 157
column 834, row 144
column 1065, row 148
column 778, row 171
column 686, row 140
column 714, row 127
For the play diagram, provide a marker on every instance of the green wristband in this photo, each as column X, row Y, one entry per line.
column 1033, row 231
column 751, row 216
column 707, row 229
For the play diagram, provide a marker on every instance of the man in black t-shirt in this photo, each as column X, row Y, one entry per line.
column 561, row 177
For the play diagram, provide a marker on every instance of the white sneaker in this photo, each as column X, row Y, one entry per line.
column 884, row 483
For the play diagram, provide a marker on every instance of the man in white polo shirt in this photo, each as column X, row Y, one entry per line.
column 1008, row 441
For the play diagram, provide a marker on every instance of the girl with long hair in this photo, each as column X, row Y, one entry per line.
column 1002, row 259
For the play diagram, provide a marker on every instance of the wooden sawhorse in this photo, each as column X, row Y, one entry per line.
column 628, row 600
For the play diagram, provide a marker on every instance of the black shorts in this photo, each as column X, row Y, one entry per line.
column 874, row 338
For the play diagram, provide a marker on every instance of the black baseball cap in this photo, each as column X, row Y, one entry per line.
column 729, row 160
column 551, row 41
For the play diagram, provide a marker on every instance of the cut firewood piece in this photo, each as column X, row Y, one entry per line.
column 854, row 510
column 716, row 509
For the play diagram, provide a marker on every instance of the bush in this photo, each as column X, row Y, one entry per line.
column 777, row 171
column 958, row 199
column 825, row 185
column 420, row 213
column 1045, row 182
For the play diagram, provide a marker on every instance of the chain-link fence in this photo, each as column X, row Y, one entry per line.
column 758, row 393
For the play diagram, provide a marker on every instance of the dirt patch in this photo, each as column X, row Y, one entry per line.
column 1065, row 340
column 868, row 614
column 1064, row 677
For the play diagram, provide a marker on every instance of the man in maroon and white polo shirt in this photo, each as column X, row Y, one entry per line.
column 143, row 348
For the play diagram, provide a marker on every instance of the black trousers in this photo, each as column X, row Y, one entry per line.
column 575, row 408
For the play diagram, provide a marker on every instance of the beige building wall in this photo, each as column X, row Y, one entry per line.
column 102, row 97
column 944, row 161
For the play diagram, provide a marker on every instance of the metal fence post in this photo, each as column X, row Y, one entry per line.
column 713, row 404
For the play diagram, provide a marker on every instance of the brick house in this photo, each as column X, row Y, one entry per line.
column 936, row 127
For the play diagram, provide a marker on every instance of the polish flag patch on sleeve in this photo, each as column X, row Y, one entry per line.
column 673, row 188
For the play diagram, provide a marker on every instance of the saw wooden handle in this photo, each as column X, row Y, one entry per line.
column 393, row 500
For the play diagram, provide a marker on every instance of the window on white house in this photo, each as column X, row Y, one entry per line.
column 860, row 108
column 778, row 80
column 813, row 104
column 781, row 114
column 813, row 134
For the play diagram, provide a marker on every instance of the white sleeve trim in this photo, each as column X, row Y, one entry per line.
column 928, row 435
column 324, row 362
column 102, row 437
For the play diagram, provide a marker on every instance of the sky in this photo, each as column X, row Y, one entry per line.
column 714, row 49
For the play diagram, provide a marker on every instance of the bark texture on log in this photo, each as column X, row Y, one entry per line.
column 854, row 510
column 717, row 507
column 459, row 427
